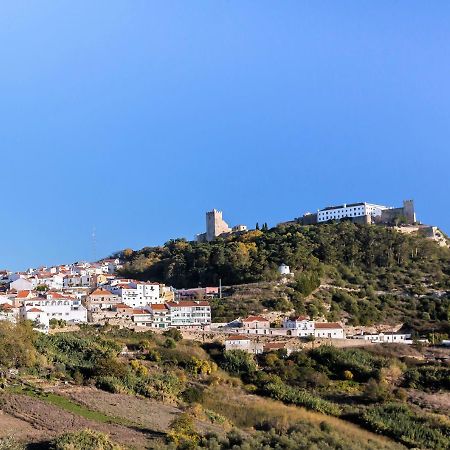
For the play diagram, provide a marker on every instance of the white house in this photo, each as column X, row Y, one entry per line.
column 239, row 342
column 332, row 330
column 101, row 299
column 299, row 326
column 255, row 323
column 38, row 316
column 21, row 284
column 401, row 338
column 349, row 210
column 53, row 281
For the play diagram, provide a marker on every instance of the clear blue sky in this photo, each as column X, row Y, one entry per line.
column 138, row 116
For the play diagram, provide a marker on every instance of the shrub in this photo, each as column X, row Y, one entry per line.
column 376, row 392
column 193, row 394
column 153, row 355
column 239, row 362
column 182, row 431
column 85, row 440
column 111, row 384
column 170, row 343
column 173, row 333
column 348, row 375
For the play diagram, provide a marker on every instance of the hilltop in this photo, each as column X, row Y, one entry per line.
column 362, row 274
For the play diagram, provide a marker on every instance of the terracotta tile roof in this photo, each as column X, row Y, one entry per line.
column 158, row 307
column 327, row 325
column 23, row 294
column 123, row 306
column 255, row 319
column 186, row 303
column 237, row 337
column 140, row 311
column 54, row 295
column 274, row 345
column 34, row 310
column 102, row 292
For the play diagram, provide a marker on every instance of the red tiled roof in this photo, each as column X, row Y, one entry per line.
column 23, row 294
column 274, row 345
column 327, row 325
column 35, row 310
column 140, row 311
column 237, row 337
column 123, row 306
column 186, row 303
column 255, row 319
column 102, row 292
column 300, row 318
column 55, row 295
column 158, row 307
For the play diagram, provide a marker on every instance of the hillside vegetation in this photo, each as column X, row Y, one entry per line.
column 150, row 390
column 387, row 275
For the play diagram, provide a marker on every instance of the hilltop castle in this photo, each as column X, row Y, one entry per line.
column 216, row 226
column 363, row 212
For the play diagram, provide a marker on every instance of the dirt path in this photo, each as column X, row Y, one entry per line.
column 35, row 420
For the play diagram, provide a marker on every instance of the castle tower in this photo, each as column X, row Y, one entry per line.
column 408, row 211
column 215, row 225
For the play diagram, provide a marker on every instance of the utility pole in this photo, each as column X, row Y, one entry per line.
column 220, row 288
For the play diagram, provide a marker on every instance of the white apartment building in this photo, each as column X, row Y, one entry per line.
column 189, row 313
column 68, row 309
column 349, row 210
column 161, row 316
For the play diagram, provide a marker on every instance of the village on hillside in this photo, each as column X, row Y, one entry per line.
column 92, row 293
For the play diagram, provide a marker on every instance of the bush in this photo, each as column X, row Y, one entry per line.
column 111, row 384
column 182, row 432
column 173, row 333
column 170, row 343
column 193, row 394
column 239, row 362
column 84, row 440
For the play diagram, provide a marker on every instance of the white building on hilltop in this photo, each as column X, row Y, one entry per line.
column 350, row 210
